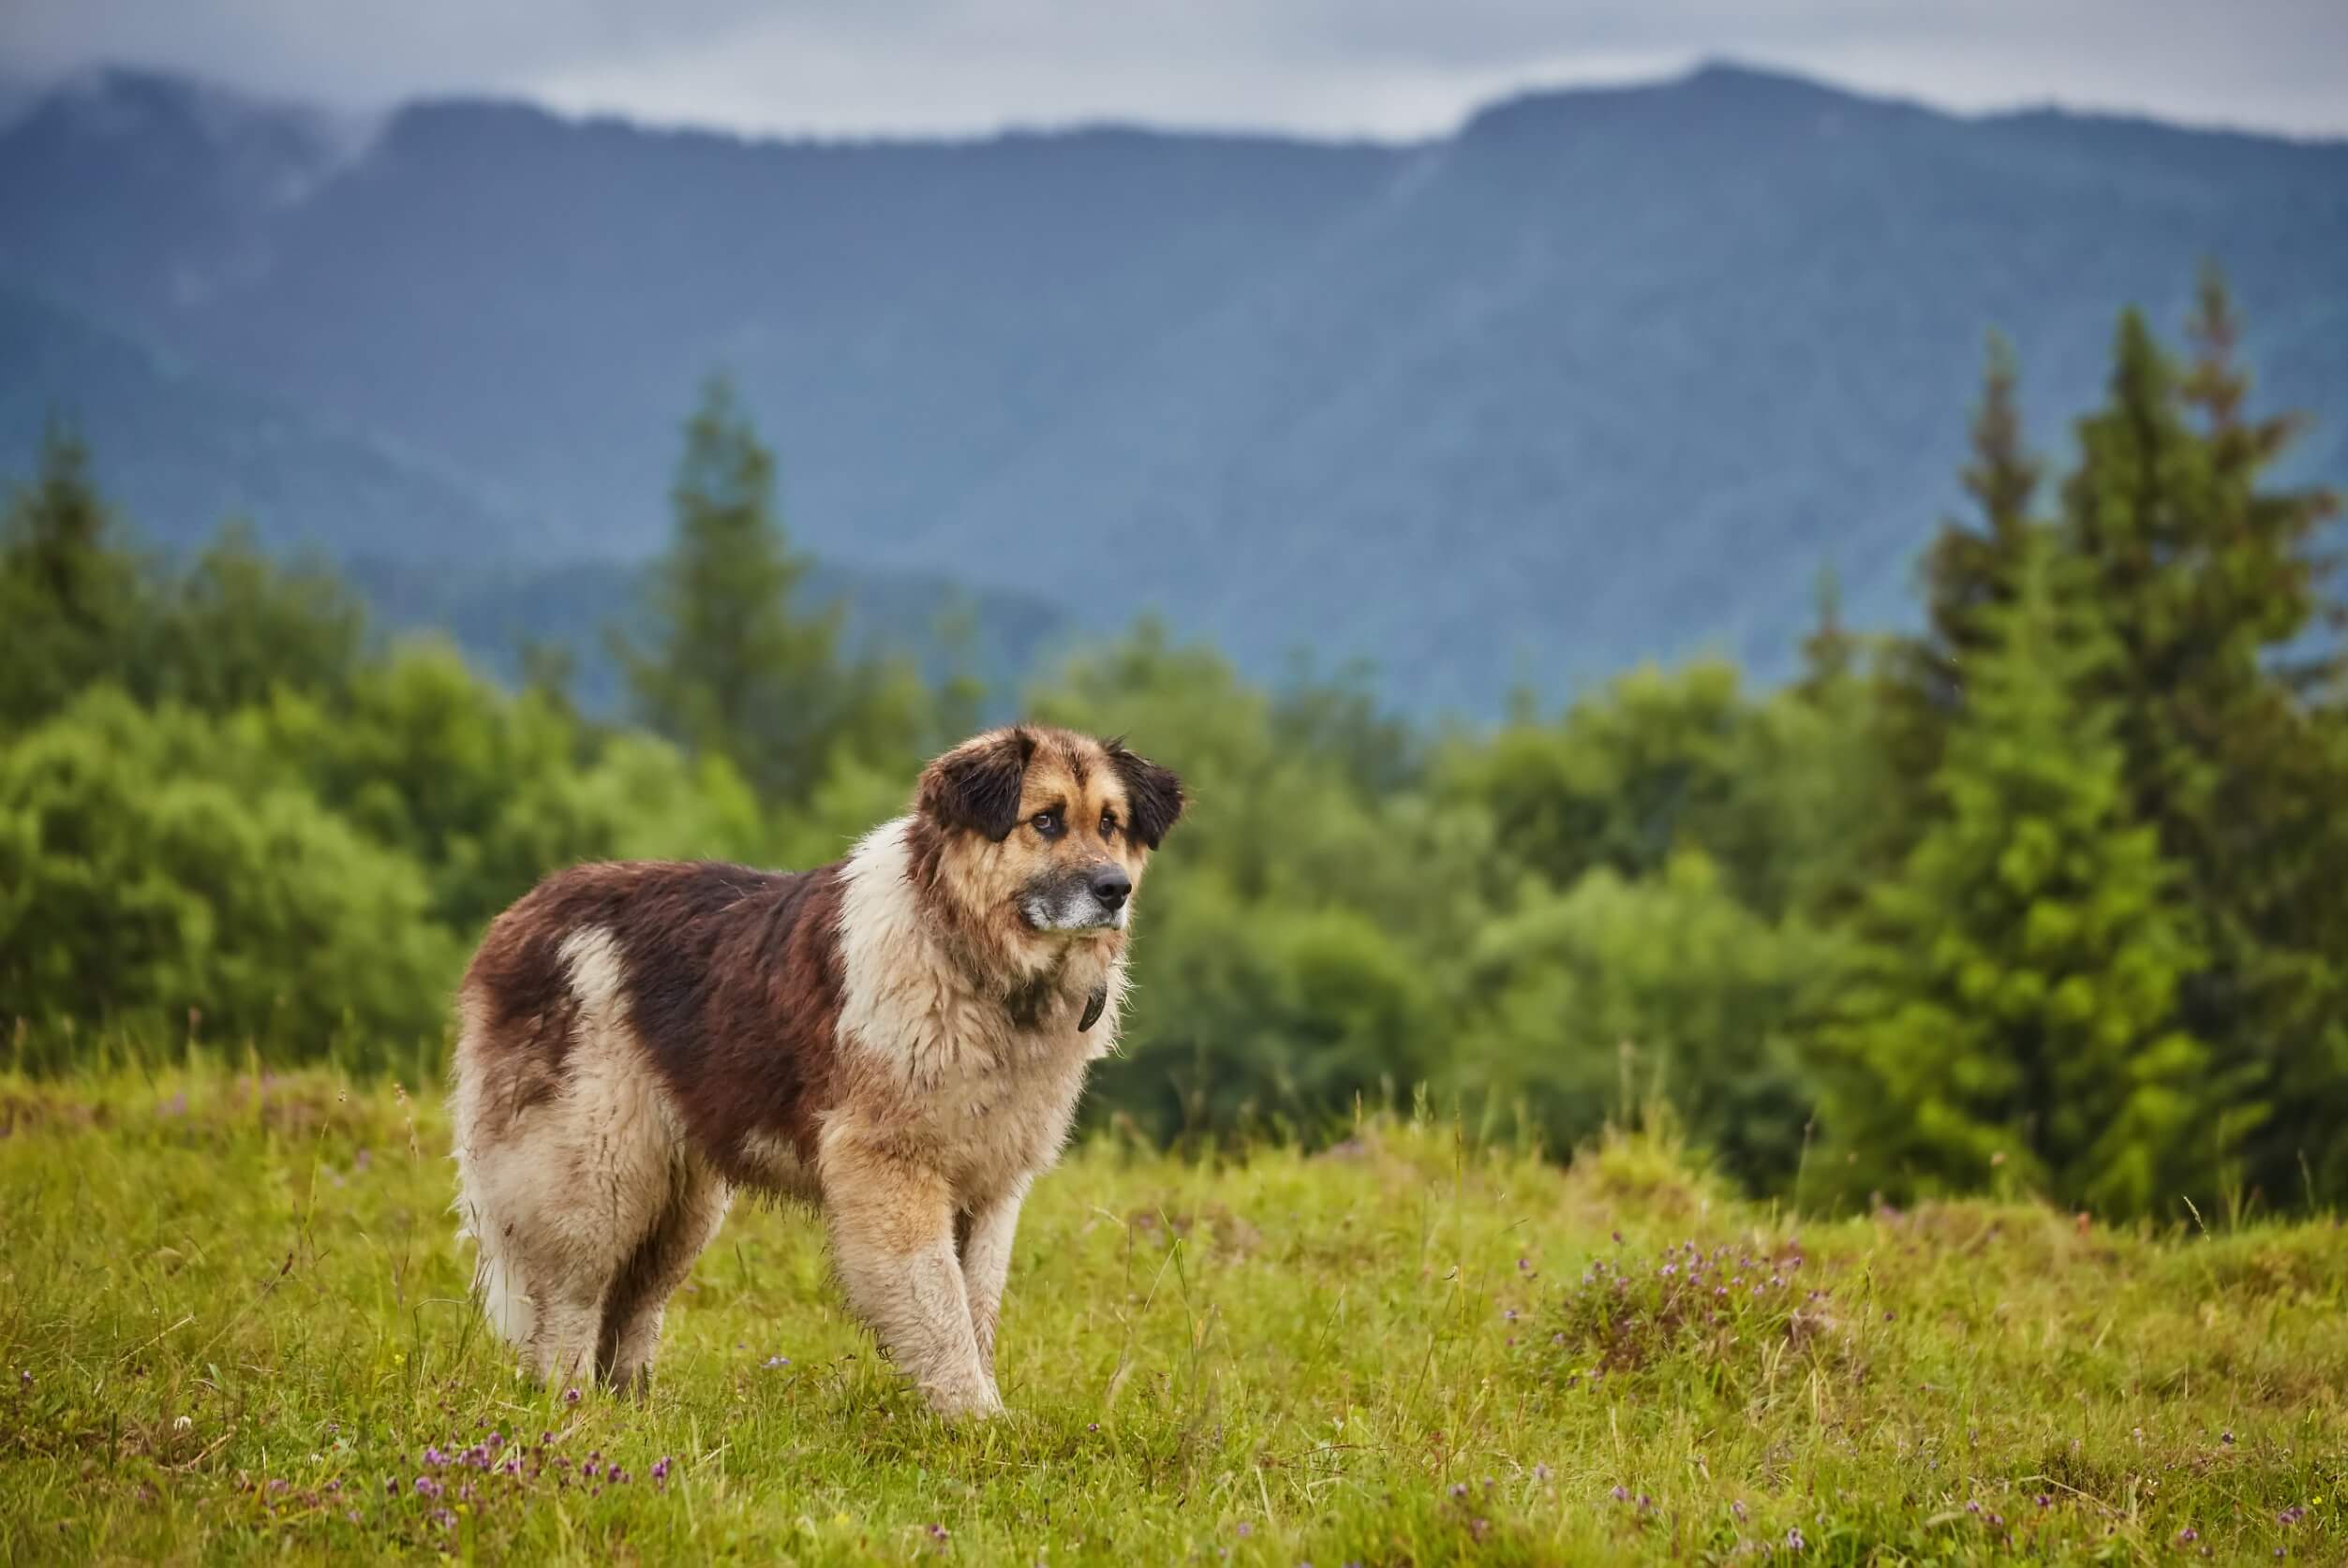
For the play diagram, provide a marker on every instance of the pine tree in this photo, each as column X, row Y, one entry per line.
column 1968, row 571
column 70, row 591
column 732, row 664
column 2013, row 996
column 2211, row 580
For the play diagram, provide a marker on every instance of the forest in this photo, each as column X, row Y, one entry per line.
column 2045, row 894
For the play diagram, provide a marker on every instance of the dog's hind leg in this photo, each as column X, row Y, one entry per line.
column 630, row 1333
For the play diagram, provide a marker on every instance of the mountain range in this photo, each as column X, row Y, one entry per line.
column 1607, row 375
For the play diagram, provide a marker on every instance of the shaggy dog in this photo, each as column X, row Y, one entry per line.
column 899, row 1037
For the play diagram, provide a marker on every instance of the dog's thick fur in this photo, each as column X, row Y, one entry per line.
column 899, row 1037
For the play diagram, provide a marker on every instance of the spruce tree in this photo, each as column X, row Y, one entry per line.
column 2211, row 579
column 731, row 662
column 2013, row 994
column 70, row 591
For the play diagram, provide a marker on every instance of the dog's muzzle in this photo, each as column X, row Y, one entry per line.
column 1095, row 898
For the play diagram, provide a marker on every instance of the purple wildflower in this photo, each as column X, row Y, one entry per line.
column 570, row 1396
column 1622, row 1494
column 1459, row 1489
column 1246, row 1530
column 1541, row 1472
column 1793, row 1539
column 777, row 1361
column 2188, row 1535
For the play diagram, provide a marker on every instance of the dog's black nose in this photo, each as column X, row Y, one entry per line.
column 1110, row 885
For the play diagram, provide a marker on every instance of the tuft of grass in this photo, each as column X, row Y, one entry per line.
column 234, row 1325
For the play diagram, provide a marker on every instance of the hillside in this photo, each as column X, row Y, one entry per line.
column 235, row 1324
column 179, row 453
column 1609, row 374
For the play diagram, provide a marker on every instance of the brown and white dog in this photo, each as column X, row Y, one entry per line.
column 900, row 1037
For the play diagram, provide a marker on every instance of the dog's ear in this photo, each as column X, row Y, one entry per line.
column 976, row 785
column 1153, row 796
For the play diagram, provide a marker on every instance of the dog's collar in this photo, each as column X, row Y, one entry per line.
column 1093, row 1006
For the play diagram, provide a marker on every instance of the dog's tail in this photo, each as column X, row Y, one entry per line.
column 498, row 1287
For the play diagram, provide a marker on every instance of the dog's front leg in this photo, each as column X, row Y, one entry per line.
column 892, row 1230
column 986, row 1263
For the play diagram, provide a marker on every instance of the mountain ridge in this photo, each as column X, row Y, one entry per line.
column 1608, row 374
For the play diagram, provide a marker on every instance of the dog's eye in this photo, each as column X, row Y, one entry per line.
column 1108, row 824
column 1047, row 823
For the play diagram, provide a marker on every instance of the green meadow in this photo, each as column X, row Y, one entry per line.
column 234, row 1325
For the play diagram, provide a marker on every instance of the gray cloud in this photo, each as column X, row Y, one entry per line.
column 1389, row 68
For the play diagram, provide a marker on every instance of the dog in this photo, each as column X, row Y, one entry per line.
column 899, row 1038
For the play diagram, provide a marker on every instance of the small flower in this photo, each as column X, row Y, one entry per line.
column 1618, row 1238
column 434, row 1458
column 1092, row 1425
column 661, row 1468
column 1793, row 1539
column 2043, row 1501
column 570, row 1396
column 1541, row 1472
column 2188, row 1534
column 1737, row 1508
column 777, row 1361
column 1459, row 1489
column 1525, row 1266
column 1247, row 1529
column 1622, row 1494
column 2227, row 1438
column 427, row 1486
column 1509, row 1315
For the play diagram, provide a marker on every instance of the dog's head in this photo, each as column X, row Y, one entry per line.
column 1047, row 829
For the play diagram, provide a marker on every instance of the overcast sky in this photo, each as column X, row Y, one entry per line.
column 1382, row 68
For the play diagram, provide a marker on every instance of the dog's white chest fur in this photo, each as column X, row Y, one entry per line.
column 989, row 1100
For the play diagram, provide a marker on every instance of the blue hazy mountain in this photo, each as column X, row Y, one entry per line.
column 1607, row 375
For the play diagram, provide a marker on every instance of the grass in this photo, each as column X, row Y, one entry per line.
column 233, row 1326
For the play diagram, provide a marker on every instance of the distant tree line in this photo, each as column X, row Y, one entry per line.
column 2052, row 891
